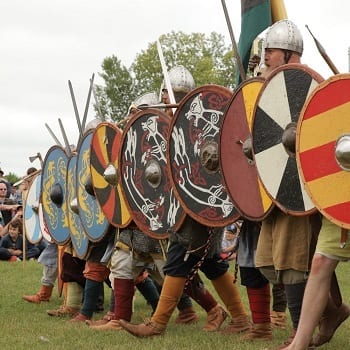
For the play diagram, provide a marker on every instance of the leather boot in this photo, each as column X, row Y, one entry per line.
column 259, row 331
column 216, row 317
column 187, row 316
column 111, row 325
column 329, row 323
column 43, row 294
column 278, row 320
column 106, row 318
column 79, row 318
column 143, row 330
column 237, row 325
column 63, row 311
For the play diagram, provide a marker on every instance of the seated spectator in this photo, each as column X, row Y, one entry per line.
column 11, row 245
column 7, row 206
column 4, row 180
column 229, row 242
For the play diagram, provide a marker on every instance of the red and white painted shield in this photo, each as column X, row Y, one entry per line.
column 323, row 148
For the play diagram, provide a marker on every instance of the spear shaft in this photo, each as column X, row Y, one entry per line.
column 323, row 53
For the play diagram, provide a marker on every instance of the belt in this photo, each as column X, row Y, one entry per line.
column 122, row 246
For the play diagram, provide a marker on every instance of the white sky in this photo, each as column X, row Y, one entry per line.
column 45, row 43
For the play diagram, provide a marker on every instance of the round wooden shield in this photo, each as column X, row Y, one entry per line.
column 31, row 220
column 92, row 217
column 44, row 230
column 105, row 146
column 78, row 236
column 53, row 194
column 323, row 130
column 276, row 115
column 144, row 176
column 193, row 156
column 239, row 170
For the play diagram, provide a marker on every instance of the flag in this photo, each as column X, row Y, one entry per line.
column 255, row 18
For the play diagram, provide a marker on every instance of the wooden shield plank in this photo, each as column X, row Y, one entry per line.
column 105, row 146
column 92, row 217
column 193, row 156
column 277, row 109
column 53, row 194
column 240, row 173
column 145, row 179
column 325, row 119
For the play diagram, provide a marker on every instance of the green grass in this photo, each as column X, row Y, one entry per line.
column 27, row 326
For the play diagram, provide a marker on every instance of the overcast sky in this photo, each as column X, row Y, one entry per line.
column 45, row 43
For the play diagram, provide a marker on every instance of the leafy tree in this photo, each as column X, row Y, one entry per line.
column 207, row 58
column 12, row 178
column 114, row 97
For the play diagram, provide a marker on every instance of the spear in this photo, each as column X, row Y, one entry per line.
column 233, row 40
column 53, row 135
column 68, row 150
column 75, row 107
column 323, row 53
column 87, row 102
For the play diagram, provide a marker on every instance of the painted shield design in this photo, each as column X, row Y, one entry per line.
column 323, row 148
column 237, row 163
column 78, row 236
column 92, row 217
column 53, row 194
column 193, row 156
column 105, row 147
column 274, row 128
column 44, row 230
column 32, row 226
column 145, row 179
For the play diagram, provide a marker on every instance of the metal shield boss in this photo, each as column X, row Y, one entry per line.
column 236, row 153
column 275, row 120
column 53, row 194
column 78, row 236
column 92, row 217
column 31, row 205
column 193, row 156
column 144, row 176
column 323, row 148
column 105, row 174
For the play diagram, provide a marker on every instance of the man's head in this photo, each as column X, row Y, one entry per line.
column 283, row 44
column 1, row 173
column 3, row 189
column 147, row 99
column 15, row 228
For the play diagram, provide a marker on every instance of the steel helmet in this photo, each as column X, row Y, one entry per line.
column 284, row 35
column 181, row 80
column 149, row 98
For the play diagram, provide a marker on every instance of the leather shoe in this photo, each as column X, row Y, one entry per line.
column 143, row 330
column 328, row 325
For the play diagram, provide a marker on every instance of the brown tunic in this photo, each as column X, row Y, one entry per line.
column 285, row 242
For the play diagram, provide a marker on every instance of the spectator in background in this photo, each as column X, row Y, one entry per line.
column 7, row 206
column 11, row 245
column 230, row 242
column 4, row 180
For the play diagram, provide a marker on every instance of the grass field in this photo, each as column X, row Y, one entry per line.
column 27, row 326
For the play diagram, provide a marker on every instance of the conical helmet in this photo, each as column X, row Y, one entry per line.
column 284, row 35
